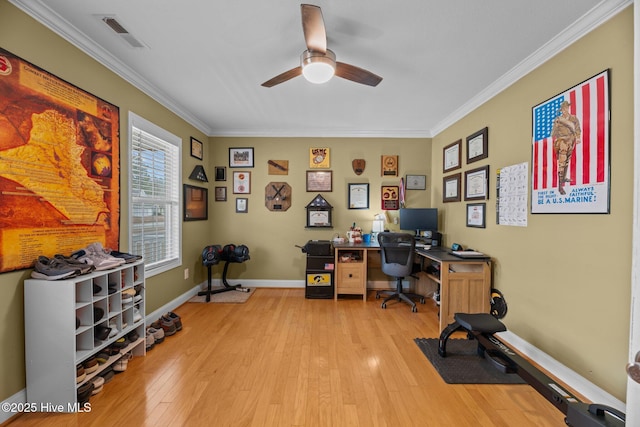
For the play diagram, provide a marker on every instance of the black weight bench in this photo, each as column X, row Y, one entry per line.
column 212, row 255
column 483, row 326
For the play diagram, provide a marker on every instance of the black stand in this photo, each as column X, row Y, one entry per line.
column 483, row 326
column 227, row 286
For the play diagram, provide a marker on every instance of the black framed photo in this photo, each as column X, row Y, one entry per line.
column 358, row 196
column 452, row 156
column 221, row 173
column 478, row 145
column 476, row 184
column 476, row 215
column 319, row 181
column 451, row 186
column 416, row 182
column 197, row 149
column 195, row 203
column 242, row 205
column 241, row 157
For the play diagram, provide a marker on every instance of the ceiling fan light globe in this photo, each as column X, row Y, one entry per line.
column 318, row 67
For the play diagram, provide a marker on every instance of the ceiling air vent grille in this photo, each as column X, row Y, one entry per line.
column 122, row 32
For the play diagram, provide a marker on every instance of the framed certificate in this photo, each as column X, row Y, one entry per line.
column 476, row 215
column 242, row 183
column 452, row 156
column 451, row 188
column 478, row 146
column 416, row 182
column 476, row 184
column 358, row 196
column 319, row 181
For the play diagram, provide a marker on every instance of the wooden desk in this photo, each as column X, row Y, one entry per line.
column 465, row 284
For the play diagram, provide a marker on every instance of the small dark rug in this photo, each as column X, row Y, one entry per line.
column 462, row 365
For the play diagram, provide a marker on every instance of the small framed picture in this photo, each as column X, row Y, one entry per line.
column 319, row 181
column 242, row 205
column 451, row 188
column 241, row 157
column 476, row 184
column 452, row 156
column 416, row 182
column 476, row 215
column 221, row 194
column 358, row 196
column 221, row 173
column 196, row 149
column 242, row 182
column 478, row 146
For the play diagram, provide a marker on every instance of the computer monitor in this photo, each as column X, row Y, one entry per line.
column 419, row 219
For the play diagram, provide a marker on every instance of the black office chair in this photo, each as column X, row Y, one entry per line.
column 396, row 250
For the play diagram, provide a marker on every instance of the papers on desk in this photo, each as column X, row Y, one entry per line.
column 423, row 246
column 469, row 254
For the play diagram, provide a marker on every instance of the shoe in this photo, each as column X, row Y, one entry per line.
column 96, row 288
column 158, row 334
column 102, row 357
column 137, row 298
column 97, row 314
column 121, row 364
column 121, row 343
column 98, row 383
column 94, row 256
column 52, row 269
column 127, row 298
column 167, row 326
column 102, row 332
column 114, row 329
column 107, row 374
column 84, row 392
column 133, row 336
column 150, row 340
column 81, row 374
column 83, row 267
column 90, row 365
column 128, row 258
column 176, row 320
column 136, row 315
column 98, row 250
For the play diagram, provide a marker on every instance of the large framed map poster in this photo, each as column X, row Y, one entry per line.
column 59, row 166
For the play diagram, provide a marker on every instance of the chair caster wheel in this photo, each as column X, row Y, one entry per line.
column 383, row 305
column 421, row 300
column 377, row 296
column 414, row 309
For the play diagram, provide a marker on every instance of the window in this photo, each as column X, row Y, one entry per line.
column 155, row 168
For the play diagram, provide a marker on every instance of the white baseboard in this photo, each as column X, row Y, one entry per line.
column 18, row 398
column 569, row 377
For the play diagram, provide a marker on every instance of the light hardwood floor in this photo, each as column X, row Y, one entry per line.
column 282, row 360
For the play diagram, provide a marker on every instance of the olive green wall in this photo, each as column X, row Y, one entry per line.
column 271, row 236
column 566, row 278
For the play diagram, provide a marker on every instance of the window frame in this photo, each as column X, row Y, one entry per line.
column 144, row 125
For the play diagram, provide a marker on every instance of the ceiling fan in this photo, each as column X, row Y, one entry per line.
column 318, row 64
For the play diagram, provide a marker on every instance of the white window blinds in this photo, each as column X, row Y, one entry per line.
column 154, row 179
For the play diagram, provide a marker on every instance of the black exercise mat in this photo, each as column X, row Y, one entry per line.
column 462, row 364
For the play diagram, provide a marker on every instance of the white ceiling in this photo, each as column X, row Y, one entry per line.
column 205, row 59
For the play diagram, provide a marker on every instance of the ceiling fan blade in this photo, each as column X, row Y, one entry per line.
column 357, row 74
column 281, row 78
column 315, row 35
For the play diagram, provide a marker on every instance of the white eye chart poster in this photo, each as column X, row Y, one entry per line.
column 513, row 193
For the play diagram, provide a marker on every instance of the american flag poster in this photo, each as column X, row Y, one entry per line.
column 570, row 152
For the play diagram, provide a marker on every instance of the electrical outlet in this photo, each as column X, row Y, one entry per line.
column 186, row 273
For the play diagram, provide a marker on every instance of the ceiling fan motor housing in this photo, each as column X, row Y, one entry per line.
column 318, row 67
